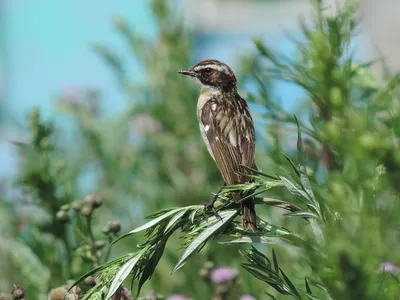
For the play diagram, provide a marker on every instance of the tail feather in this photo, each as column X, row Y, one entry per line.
column 249, row 219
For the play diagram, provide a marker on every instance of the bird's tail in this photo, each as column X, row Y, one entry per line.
column 249, row 219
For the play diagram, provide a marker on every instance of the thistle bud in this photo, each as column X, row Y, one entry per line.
column 115, row 226
column 64, row 207
column 100, row 244
column 76, row 205
column 86, row 209
column 62, row 216
column 89, row 281
column 57, row 293
column 106, row 229
column 18, row 293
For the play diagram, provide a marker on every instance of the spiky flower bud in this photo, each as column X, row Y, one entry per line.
column 62, row 216
column 6, row 296
column 89, row 281
column 57, row 294
column 65, row 207
column 115, row 226
column 76, row 205
column 100, row 244
column 86, row 209
column 106, row 229
column 18, row 293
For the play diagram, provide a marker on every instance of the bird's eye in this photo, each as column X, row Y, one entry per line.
column 207, row 70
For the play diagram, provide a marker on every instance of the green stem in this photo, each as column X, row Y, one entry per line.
column 92, row 240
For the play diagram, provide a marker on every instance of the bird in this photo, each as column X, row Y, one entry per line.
column 226, row 127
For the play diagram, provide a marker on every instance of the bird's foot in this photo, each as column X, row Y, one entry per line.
column 209, row 207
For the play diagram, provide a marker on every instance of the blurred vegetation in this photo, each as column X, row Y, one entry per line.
column 328, row 206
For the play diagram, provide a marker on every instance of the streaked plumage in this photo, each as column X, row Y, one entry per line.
column 226, row 126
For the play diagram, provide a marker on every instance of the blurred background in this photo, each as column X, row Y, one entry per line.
column 124, row 123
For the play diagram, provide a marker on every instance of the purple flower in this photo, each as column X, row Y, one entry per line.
column 389, row 267
column 145, row 124
column 247, row 297
column 221, row 275
column 176, row 297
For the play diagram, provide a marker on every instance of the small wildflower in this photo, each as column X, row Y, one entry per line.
column 176, row 297
column 389, row 267
column 145, row 124
column 86, row 209
column 247, row 297
column 57, row 294
column 18, row 293
column 221, row 275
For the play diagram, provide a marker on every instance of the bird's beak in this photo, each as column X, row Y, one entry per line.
column 188, row 73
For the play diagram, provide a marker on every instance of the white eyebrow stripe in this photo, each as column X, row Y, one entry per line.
column 220, row 68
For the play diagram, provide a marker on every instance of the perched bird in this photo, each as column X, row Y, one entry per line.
column 226, row 127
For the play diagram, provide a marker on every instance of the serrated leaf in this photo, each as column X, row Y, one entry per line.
column 293, row 189
column 292, row 164
column 150, row 224
column 302, row 165
column 304, row 214
column 249, row 239
column 121, row 275
column 226, row 217
column 99, row 268
column 193, row 215
column 175, row 219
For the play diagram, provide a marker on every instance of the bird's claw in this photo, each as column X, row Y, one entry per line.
column 209, row 207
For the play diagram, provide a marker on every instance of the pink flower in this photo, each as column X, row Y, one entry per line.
column 389, row 267
column 247, row 297
column 145, row 124
column 221, row 275
column 176, row 297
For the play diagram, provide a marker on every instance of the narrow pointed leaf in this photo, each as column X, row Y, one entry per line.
column 209, row 232
column 148, row 225
column 290, row 284
column 121, row 275
column 293, row 189
column 175, row 219
column 276, row 267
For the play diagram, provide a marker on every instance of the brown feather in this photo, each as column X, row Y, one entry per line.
column 231, row 138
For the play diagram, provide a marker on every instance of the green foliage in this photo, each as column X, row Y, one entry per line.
column 329, row 212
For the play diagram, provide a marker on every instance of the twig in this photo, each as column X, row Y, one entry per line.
column 276, row 203
column 92, row 240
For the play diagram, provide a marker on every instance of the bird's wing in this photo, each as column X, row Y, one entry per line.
column 229, row 131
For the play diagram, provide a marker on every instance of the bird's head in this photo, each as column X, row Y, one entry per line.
column 212, row 74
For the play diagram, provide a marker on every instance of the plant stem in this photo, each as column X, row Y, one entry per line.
column 92, row 239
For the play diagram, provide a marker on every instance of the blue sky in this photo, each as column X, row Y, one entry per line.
column 47, row 46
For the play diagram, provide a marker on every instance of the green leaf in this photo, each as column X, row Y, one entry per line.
column 276, row 267
column 304, row 214
column 226, row 216
column 290, row 284
column 253, row 239
column 293, row 188
column 305, row 182
column 175, row 219
column 292, row 164
column 308, row 289
column 121, row 275
column 150, row 224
